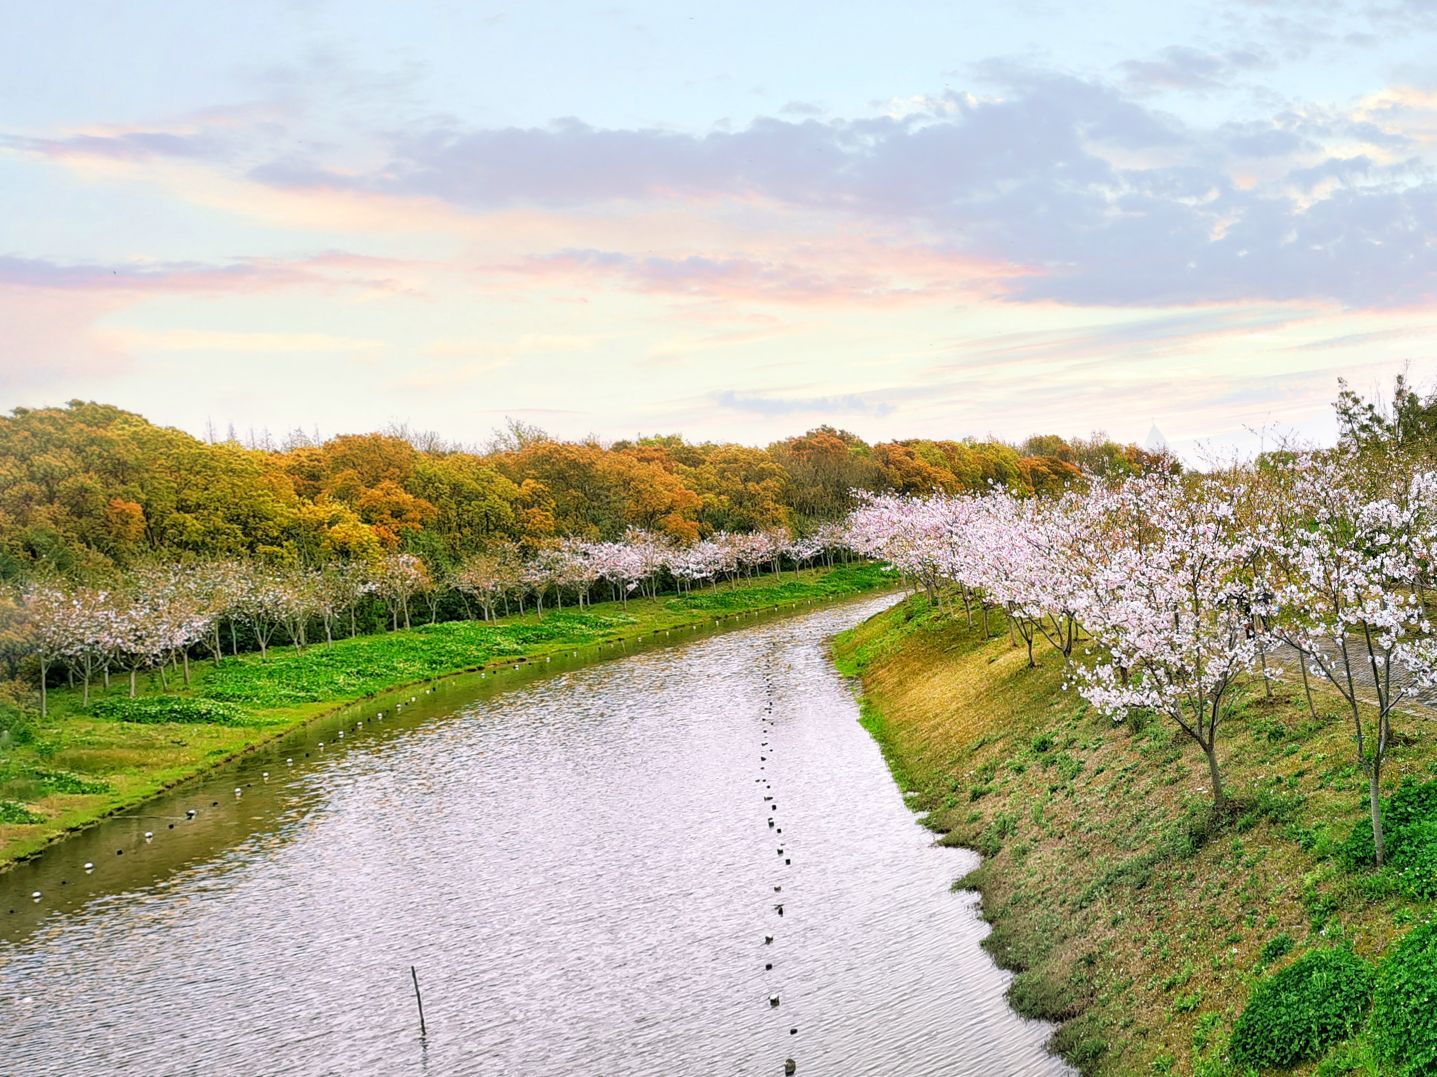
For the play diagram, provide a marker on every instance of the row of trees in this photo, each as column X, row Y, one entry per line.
column 88, row 488
column 1181, row 588
column 160, row 614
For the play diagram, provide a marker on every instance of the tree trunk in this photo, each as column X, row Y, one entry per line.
column 133, row 671
column 1219, row 798
column 1374, row 796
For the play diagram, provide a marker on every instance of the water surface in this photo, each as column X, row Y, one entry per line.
column 582, row 869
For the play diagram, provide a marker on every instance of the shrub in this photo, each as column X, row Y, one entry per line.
column 150, row 709
column 1404, row 1006
column 1414, row 859
column 1408, row 816
column 1280, row 945
column 17, row 722
column 63, row 781
column 1300, row 1011
column 13, row 813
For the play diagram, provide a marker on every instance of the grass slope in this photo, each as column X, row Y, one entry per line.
column 83, row 763
column 1130, row 916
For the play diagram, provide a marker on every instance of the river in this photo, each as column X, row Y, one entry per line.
column 584, row 869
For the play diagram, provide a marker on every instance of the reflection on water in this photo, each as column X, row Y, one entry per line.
column 583, row 869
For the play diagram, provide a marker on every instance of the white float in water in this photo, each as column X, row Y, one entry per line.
column 36, row 895
column 149, row 835
column 239, row 791
column 89, row 866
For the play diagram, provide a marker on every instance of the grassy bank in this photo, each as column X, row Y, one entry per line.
column 1134, row 918
column 85, row 762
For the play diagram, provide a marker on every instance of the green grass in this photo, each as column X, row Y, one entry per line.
column 84, row 762
column 1131, row 915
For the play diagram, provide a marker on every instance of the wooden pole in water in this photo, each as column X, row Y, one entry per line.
column 417, row 999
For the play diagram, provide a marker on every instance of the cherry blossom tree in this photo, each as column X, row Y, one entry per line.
column 1172, row 608
column 54, row 621
column 489, row 577
column 1350, row 548
column 397, row 579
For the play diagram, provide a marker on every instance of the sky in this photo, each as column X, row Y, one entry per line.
column 735, row 221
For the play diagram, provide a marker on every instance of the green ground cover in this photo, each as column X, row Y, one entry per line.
column 84, row 762
column 1160, row 938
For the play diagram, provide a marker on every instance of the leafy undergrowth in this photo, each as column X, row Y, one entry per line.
column 85, row 761
column 1132, row 916
column 1298, row 1013
column 181, row 709
column 367, row 664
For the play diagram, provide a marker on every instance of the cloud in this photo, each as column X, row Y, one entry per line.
column 1182, row 67
column 240, row 275
column 872, row 403
column 718, row 276
column 1100, row 198
column 124, row 146
column 247, row 341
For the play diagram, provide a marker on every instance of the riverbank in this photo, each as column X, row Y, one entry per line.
column 84, row 763
column 1130, row 916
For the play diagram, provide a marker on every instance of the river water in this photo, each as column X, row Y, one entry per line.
column 584, row 869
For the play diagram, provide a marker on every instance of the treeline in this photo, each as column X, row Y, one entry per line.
column 159, row 617
column 88, row 489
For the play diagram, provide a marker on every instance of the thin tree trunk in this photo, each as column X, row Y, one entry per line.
column 1306, row 684
column 1219, row 798
column 1374, row 796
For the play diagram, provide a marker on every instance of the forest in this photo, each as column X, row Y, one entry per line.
column 89, row 488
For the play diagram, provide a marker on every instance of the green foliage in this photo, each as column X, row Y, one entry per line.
column 184, row 709
column 1300, row 1011
column 17, row 726
column 1404, row 1006
column 1414, row 859
column 368, row 664
column 17, row 814
column 63, row 781
column 1280, row 945
column 1409, row 828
